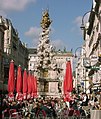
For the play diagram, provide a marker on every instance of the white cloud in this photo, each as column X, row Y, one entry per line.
column 33, row 33
column 58, row 44
column 16, row 5
column 76, row 25
column 78, row 21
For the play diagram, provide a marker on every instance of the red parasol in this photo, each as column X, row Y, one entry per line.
column 35, row 84
column 68, row 81
column 25, row 84
column 29, row 85
column 11, row 81
column 19, row 84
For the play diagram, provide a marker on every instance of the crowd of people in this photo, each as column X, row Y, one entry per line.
column 51, row 108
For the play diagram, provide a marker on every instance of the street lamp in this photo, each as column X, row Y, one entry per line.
column 86, row 61
column 83, row 27
column 82, row 24
column 83, row 59
column 92, row 11
column 82, row 48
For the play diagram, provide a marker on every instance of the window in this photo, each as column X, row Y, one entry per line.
column 7, row 41
column 46, row 85
column 14, row 46
column 7, row 51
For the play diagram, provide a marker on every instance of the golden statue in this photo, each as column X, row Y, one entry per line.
column 45, row 23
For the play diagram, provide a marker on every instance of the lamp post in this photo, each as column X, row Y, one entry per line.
column 78, row 49
column 83, row 26
column 97, row 14
column 87, row 62
column 81, row 65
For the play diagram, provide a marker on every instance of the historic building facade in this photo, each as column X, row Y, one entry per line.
column 13, row 49
column 32, row 57
column 60, row 58
column 90, row 62
column 3, row 27
column 93, row 45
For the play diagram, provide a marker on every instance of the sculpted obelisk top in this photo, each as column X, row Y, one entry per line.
column 45, row 22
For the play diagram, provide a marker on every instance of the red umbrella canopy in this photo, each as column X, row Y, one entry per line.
column 25, row 82
column 35, row 84
column 29, row 83
column 11, row 78
column 19, row 80
column 68, row 82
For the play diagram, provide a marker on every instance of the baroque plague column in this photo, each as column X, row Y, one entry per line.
column 46, row 67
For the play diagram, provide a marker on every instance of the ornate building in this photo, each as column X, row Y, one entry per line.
column 60, row 59
column 32, row 56
column 12, row 49
column 88, row 70
column 93, row 45
column 3, row 27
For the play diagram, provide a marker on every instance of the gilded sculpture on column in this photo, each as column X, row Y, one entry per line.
column 45, row 22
